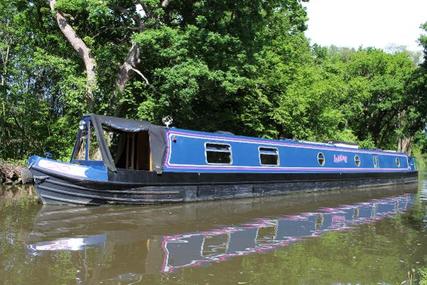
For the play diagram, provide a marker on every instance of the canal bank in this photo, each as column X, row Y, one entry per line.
column 13, row 173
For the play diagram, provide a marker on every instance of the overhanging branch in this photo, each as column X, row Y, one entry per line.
column 83, row 50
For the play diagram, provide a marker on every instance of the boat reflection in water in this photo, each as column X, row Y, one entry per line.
column 268, row 234
column 146, row 240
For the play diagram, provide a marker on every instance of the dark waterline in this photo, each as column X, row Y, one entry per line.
column 377, row 237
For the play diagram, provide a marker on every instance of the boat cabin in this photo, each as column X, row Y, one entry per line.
column 128, row 145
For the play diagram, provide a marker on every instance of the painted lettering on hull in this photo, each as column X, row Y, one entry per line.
column 338, row 158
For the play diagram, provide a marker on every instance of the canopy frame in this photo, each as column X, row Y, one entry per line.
column 157, row 138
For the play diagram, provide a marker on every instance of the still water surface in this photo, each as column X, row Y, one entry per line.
column 360, row 238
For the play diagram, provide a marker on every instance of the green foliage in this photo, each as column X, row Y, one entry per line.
column 242, row 66
column 382, row 105
column 423, row 276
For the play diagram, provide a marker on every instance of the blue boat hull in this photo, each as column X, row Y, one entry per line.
column 189, row 187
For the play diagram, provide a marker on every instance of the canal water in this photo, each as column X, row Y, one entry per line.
column 371, row 237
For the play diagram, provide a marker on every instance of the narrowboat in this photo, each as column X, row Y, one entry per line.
column 121, row 161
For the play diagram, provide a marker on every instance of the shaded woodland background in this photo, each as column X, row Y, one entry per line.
column 243, row 66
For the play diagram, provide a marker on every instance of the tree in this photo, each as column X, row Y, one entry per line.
column 242, row 66
column 417, row 89
column 378, row 84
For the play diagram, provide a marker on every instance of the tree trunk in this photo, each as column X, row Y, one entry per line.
column 404, row 145
column 79, row 45
column 129, row 66
column 132, row 59
column 5, row 61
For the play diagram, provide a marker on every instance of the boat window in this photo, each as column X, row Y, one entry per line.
column 375, row 161
column 218, row 153
column 268, row 156
column 357, row 160
column 321, row 158
column 397, row 162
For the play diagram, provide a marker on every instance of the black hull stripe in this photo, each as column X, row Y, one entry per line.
column 56, row 182
column 69, row 196
column 106, row 198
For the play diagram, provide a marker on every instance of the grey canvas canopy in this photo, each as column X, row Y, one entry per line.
column 156, row 136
